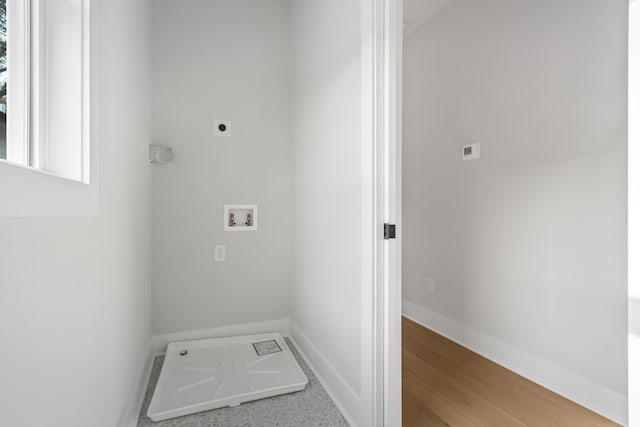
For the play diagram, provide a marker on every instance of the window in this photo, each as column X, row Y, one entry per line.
column 43, row 83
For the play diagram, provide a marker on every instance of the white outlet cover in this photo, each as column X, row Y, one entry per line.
column 431, row 285
column 220, row 253
column 223, row 127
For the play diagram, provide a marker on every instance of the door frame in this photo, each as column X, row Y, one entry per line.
column 393, row 211
column 387, row 163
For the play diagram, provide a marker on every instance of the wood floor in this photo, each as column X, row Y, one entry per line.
column 444, row 384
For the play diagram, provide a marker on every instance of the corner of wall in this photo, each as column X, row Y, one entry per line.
column 131, row 413
column 345, row 398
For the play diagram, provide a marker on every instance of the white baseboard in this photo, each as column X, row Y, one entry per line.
column 131, row 412
column 596, row 397
column 160, row 342
column 345, row 398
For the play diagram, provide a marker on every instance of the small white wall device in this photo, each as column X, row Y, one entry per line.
column 471, row 151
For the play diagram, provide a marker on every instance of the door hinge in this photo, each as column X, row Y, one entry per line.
column 389, row 231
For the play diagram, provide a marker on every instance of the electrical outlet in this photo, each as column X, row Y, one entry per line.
column 431, row 285
column 220, row 253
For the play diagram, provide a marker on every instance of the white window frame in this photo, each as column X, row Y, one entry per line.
column 48, row 82
column 18, row 81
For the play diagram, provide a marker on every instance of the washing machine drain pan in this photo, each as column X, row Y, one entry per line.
column 213, row 373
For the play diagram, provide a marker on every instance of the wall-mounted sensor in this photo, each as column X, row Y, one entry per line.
column 471, row 151
column 223, row 127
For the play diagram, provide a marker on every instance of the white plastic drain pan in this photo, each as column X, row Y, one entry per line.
column 213, row 373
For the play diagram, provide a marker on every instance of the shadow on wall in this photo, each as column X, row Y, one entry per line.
column 419, row 12
column 634, row 316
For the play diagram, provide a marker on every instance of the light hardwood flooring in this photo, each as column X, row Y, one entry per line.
column 445, row 384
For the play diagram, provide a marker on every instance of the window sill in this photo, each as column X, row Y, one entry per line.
column 28, row 192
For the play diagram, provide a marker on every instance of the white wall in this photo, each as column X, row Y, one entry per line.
column 527, row 245
column 75, row 311
column 221, row 60
column 327, row 191
column 295, row 151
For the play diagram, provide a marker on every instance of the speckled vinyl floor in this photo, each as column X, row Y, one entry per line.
column 311, row 407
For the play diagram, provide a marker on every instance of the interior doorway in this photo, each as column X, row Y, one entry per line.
column 513, row 180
